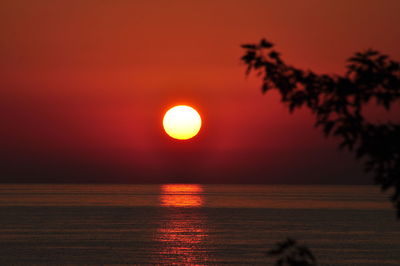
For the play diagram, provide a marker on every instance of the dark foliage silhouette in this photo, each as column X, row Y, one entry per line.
column 338, row 103
column 291, row 254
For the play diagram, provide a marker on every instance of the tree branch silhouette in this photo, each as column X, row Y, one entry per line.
column 291, row 254
column 337, row 102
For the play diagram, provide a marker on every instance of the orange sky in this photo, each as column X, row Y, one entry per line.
column 84, row 85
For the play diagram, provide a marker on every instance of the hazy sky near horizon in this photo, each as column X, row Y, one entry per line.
column 84, row 85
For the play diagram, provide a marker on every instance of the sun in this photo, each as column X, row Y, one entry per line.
column 182, row 122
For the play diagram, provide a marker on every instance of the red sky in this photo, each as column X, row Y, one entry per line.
column 84, row 84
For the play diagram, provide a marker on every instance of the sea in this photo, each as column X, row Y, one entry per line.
column 194, row 224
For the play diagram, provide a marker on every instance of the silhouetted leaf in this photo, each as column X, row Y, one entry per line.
column 249, row 46
column 291, row 254
column 274, row 55
column 265, row 44
column 328, row 127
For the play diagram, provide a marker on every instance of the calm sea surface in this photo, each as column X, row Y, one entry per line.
column 193, row 224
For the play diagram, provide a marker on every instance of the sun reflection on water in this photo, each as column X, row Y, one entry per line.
column 183, row 230
column 181, row 195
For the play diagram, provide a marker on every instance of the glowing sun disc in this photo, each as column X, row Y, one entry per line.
column 182, row 122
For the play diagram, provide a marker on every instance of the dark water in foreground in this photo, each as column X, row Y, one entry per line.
column 193, row 224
